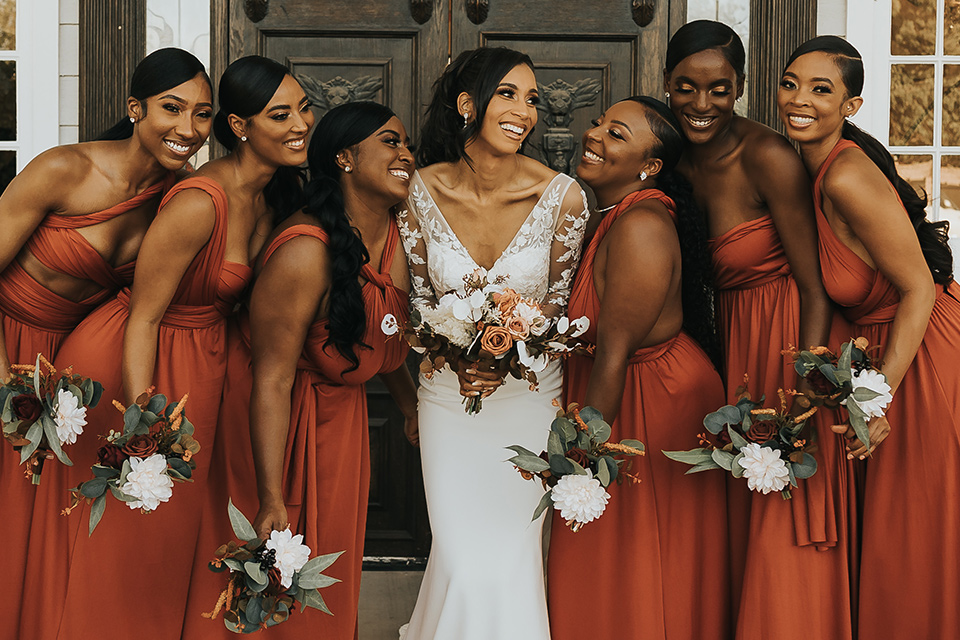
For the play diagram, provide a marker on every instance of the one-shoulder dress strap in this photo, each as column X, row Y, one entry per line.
column 840, row 146
column 633, row 198
column 296, row 231
column 55, row 221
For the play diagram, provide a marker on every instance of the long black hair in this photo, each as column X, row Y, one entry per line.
column 697, row 291
column 245, row 90
column 701, row 35
column 933, row 236
column 341, row 128
column 477, row 72
column 160, row 71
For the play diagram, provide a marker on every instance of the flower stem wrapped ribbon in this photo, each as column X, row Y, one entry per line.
column 578, row 465
column 850, row 379
column 42, row 410
column 267, row 578
column 139, row 465
column 762, row 445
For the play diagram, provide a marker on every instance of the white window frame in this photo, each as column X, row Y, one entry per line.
column 37, row 56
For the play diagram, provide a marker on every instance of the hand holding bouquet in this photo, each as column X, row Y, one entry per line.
column 267, row 577
column 762, row 445
column 578, row 465
column 139, row 465
column 850, row 379
column 42, row 410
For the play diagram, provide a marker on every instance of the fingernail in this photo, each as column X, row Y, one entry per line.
column 471, row 370
column 849, row 456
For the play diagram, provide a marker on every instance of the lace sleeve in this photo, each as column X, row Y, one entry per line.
column 414, row 245
column 571, row 222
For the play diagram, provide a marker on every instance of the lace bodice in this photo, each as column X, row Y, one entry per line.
column 539, row 262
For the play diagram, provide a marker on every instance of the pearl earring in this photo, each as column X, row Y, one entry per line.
column 466, row 119
column 643, row 175
column 243, row 138
column 666, row 94
column 132, row 120
column 348, row 168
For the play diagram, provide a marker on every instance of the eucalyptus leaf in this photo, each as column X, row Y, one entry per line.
column 703, row 466
column 148, row 418
column 186, row 426
column 603, row 474
column 320, row 563
column 598, row 430
column 316, row 581
column 178, row 465
column 533, row 464
column 120, row 495
column 124, row 470
column 252, row 584
column 253, row 570
column 96, row 512
column 863, row 394
column 312, row 598
column 545, row 501
column 36, row 377
column 738, row 440
column 97, row 394
column 554, row 444
column 588, row 414
column 6, row 401
column 11, row 426
column 723, row 458
column 831, row 373
column 793, row 477
column 241, row 526
column 131, row 419
column 583, row 440
column 714, row 422
column 86, row 390
column 858, row 420
column 845, row 361
column 565, row 428
column 157, row 403
column 806, row 468
column 577, row 469
column 694, row 456
column 34, row 434
column 608, row 463
column 233, row 563
column 521, row 450
column 254, row 612
column 636, row 444
column 735, row 467
column 94, row 488
column 76, row 391
column 53, row 440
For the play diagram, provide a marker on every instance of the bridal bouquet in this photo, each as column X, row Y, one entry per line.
column 850, row 379
column 762, row 445
column 42, row 409
column 494, row 327
column 578, row 465
column 267, row 577
column 139, row 465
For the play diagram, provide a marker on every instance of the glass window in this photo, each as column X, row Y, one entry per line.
column 911, row 104
column 913, row 29
column 8, row 24
column 950, row 193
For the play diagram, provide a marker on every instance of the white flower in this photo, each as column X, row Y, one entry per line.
column 580, row 498
column 70, row 417
column 581, row 325
column 763, row 468
column 292, row 554
column 539, row 326
column 148, row 482
column 529, row 312
column 442, row 321
column 389, row 325
column 563, row 324
column 559, row 347
column 469, row 308
column 876, row 382
column 535, row 364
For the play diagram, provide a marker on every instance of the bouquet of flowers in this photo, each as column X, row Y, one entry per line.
column 267, row 577
column 42, row 410
column 492, row 326
column 139, row 465
column 850, row 379
column 578, row 465
column 762, row 445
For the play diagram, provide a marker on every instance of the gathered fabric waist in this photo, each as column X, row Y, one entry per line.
column 25, row 300
column 183, row 316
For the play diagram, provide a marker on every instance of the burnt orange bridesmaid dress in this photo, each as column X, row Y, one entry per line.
column 654, row 565
column 37, row 320
column 142, row 563
column 790, row 557
column 910, row 557
column 326, row 474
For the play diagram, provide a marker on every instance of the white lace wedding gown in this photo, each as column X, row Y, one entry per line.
column 484, row 579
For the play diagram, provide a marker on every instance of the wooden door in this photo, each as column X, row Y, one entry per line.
column 588, row 53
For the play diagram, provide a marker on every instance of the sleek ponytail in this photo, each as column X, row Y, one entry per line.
column 160, row 71
column 341, row 128
column 933, row 236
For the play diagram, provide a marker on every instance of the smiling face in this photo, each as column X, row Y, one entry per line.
column 174, row 125
column 279, row 132
column 616, row 149
column 381, row 164
column 703, row 89
column 511, row 113
column 812, row 100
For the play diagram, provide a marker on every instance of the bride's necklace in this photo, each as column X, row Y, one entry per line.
column 605, row 209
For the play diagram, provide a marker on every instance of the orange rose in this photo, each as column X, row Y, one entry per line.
column 496, row 340
column 518, row 327
column 506, row 301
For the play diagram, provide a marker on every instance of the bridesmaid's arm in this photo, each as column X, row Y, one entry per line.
column 284, row 303
column 30, row 196
column 642, row 257
column 782, row 182
column 174, row 239
column 404, row 393
column 883, row 234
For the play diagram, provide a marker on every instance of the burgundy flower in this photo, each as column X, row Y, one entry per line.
column 819, row 382
column 110, row 455
column 762, row 431
column 140, row 446
column 579, row 456
column 27, row 407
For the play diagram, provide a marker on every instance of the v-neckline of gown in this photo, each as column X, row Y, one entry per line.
column 453, row 234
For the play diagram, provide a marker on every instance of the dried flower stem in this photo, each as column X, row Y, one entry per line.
column 803, row 416
column 621, row 448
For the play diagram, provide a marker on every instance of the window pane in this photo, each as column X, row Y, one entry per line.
column 913, row 29
column 8, row 168
column 8, row 24
column 951, row 27
column 951, row 105
column 950, row 193
column 8, row 100
column 911, row 104
column 918, row 171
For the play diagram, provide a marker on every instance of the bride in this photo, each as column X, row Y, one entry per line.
column 478, row 203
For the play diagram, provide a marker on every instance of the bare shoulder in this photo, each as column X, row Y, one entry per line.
column 851, row 175
column 645, row 226
column 766, row 151
column 65, row 166
column 437, row 173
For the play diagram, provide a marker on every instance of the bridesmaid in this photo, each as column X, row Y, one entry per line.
column 322, row 322
column 72, row 222
column 654, row 566
column 191, row 272
column 751, row 184
column 890, row 270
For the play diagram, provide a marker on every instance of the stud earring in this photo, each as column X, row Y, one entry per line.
column 666, row 94
column 643, row 175
column 243, row 138
column 132, row 120
column 466, row 119
column 348, row 168
column 739, row 98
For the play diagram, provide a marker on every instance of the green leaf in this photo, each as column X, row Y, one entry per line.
column 94, row 488
column 589, row 414
column 723, row 458
column 793, row 477
column 831, row 373
column 316, row 581
column 735, row 467
column 86, row 391
column 241, row 526
column 599, row 430
column 96, row 512
column 603, row 474
column 858, row 420
column 805, row 468
column 533, row 464
column 694, row 456
column 845, row 361
column 6, row 402
column 36, row 377
column 124, row 470
column 636, row 444
column 252, row 584
column 120, row 495
column 703, row 466
column 233, row 563
column 554, row 444
column 577, row 469
column 312, row 598
column 34, row 435
column 583, row 440
column 157, row 403
column 53, row 440
column 253, row 570
column 714, row 422
column 11, row 426
column 545, row 501
column 320, row 563
column 131, row 419
column 97, row 394
column 738, row 440
column 254, row 612
column 863, row 394
column 564, row 428
column 521, row 450
column 608, row 463
column 180, row 467
column 560, row 465
column 186, row 426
